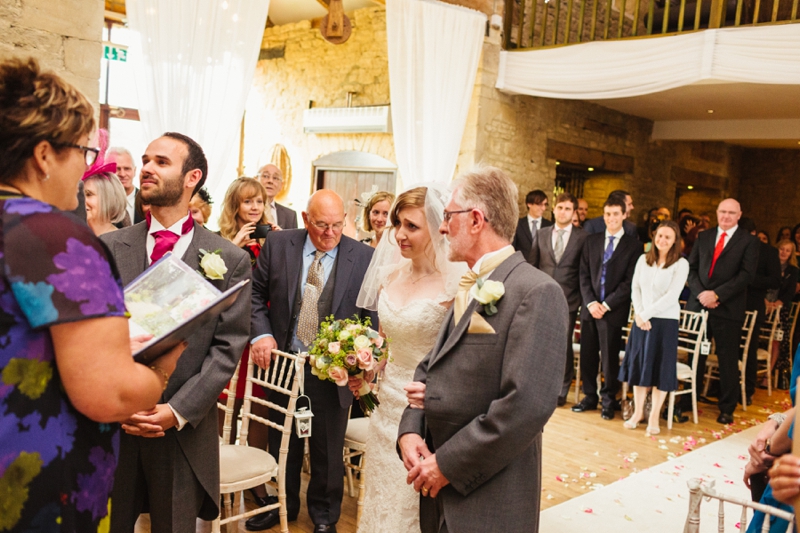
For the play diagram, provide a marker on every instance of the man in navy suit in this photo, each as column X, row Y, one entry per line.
column 525, row 236
column 607, row 264
column 598, row 225
column 722, row 264
column 301, row 277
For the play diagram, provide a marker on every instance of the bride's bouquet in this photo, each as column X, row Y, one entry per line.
column 345, row 348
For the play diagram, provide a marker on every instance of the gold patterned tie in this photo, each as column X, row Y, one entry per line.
column 470, row 278
column 308, row 323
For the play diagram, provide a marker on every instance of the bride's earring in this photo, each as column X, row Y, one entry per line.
column 46, row 177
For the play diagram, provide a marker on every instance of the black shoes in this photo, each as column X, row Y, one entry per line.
column 268, row 519
column 607, row 413
column 677, row 415
column 725, row 419
column 325, row 528
column 562, row 400
column 585, row 405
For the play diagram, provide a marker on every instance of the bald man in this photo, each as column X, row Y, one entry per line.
column 282, row 294
column 271, row 178
column 722, row 264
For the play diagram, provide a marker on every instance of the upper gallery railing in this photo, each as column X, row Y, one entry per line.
column 543, row 23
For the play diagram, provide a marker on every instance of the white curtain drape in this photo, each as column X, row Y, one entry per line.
column 196, row 60
column 619, row 69
column 434, row 49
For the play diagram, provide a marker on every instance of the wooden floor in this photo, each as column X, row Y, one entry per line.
column 582, row 451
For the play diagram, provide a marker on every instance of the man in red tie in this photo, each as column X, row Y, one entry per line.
column 722, row 264
column 169, row 456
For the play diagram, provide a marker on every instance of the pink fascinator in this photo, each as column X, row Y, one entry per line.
column 100, row 166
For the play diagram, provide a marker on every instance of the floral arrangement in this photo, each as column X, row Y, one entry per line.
column 345, row 348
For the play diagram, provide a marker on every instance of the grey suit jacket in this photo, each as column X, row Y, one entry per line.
column 567, row 271
column 204, row 367
column 287, row 218
column 275, row 282
column 488, row 398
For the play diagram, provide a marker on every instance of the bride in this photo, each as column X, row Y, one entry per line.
column 412, row 285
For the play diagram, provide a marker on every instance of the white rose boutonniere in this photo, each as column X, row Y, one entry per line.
column 488, row 293
column 212, row 264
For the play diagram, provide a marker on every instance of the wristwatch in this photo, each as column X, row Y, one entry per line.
column 768, row 447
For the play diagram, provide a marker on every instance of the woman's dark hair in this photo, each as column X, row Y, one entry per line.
column 37, row 106
column 780, row 231
column 673, row 254
column 795, row 230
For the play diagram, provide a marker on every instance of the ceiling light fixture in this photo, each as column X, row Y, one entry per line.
column 591, row 169
column 690, row 187
column 559, row 162
column 710, row 111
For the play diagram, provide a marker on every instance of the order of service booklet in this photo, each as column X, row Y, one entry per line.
column 170, row 301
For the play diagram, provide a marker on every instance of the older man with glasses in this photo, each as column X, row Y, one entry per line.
column 271, row 178
column 303, row 276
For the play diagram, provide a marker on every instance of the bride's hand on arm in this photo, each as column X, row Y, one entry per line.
column 415, row 392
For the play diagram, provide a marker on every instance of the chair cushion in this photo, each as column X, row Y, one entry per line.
column 684, row 372
column 239, row 463
column 357, row 430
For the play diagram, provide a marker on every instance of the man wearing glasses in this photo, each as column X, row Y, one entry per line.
column 271, row 178
column 303, row 276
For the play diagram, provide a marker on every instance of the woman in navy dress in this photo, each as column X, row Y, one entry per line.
column 651, row 355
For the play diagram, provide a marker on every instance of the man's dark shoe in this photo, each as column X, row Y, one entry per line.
column 266, row 520
column 607, row 413
column 263, row 502
column 725, row 419
column 616, row 405
column 562, row 400
column 677, row 415
column 325, row 528
column 706, row 399
column 585, row 405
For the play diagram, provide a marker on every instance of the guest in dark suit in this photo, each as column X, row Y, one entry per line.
column 528, row 225
column 768, row 277
column 301, row 277
column 169, row 456
column 598, row 225
column 722, row 264
column 607, row 264
column 557, row 253
column 271, row 178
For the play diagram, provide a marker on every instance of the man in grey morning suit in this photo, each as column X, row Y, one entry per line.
column 492, row 379
column 282, row 279
column 557, row 253
column 169, row 457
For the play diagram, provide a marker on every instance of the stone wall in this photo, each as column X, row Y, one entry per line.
column 769, row 190
column 299, row 69
column 64, row 35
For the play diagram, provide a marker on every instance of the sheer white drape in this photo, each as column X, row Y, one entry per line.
column 434, row 49
column 618, row 69
column 196, row 63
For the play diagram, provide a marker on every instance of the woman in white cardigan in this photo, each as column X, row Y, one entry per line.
column 652, row 351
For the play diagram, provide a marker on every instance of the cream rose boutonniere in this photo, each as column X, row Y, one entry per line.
column 212, row 264
column 488, row 293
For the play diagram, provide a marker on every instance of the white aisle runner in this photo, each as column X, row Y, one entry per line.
column 657, row 499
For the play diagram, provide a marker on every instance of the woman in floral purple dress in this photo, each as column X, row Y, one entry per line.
column 66, row 371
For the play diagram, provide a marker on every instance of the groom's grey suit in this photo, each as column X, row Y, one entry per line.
column 488, row 397
column 176, row 477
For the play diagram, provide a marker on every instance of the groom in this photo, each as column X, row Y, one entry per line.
column 493, row 377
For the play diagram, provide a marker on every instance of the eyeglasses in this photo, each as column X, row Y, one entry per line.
column 447, row 215
column 325, row 227
column 89, row 154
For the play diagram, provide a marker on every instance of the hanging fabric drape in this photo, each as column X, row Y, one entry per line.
column 619, row 69
column 434, row 49
column 194, row 67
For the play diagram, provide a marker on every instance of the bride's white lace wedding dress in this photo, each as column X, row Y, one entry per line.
column 390, row 504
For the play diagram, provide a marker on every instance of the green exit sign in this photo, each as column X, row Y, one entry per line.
column 115, row 52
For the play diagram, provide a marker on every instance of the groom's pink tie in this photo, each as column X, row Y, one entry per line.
column 165, row 239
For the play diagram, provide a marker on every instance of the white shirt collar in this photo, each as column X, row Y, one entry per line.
column 567, row 230
column 618, row 235
column 155, row 225
column 531, row 219
column 728, row 232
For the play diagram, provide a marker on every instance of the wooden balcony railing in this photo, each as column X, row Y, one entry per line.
column 545, row 23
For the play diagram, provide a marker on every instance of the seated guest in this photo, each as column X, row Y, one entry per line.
column 271, row 178
column 643, row 230
column 782, row 299
column 785, row 233
column 763, row 236
column 557, row 253
column 651, row 355
column 525, row 237
column 686, row 224
column 606, row 273
column 597, row 225
column 374, row 216
column 796, row 238
column 67, row 368
column 200, row 206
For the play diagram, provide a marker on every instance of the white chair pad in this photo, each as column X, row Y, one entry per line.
column 239, row 463
column 576, row 347
column 684, row 372
column 357, row 430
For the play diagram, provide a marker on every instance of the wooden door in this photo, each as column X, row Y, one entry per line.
column 350, row 184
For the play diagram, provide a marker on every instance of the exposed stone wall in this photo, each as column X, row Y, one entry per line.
column 64, row 35
column 300, row 67
column 769, row 188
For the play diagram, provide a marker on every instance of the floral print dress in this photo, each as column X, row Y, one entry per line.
column 56, row 466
